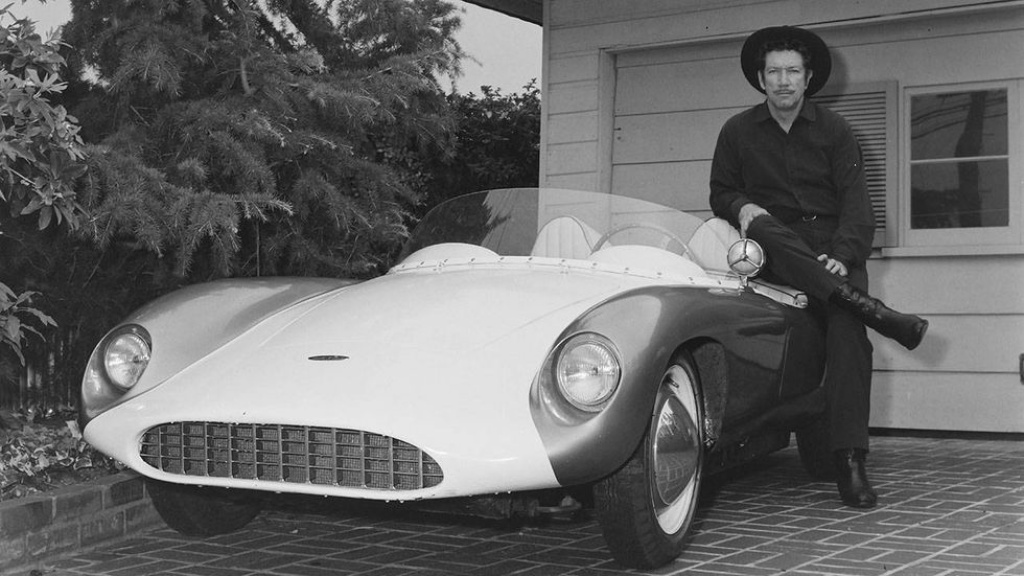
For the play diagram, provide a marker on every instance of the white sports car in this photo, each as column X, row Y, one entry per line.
column 529, row 341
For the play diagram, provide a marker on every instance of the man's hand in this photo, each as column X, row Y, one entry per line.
column 832, row 265
column 747, row 214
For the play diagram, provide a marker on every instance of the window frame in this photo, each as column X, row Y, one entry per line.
column 990, row 237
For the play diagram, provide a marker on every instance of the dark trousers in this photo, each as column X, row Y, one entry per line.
column 792, row 258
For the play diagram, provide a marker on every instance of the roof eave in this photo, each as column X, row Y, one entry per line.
column 531, row 11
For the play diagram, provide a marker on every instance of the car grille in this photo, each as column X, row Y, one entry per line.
column 281, row 453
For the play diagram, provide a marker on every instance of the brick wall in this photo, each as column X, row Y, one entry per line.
column 45, row 527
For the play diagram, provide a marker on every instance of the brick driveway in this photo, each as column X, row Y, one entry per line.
column 947, row 508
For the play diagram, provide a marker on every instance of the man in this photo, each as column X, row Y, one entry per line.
column 788, row 174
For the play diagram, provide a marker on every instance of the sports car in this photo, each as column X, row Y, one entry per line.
column 529, row 342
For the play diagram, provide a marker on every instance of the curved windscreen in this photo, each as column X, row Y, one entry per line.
column 553, row 223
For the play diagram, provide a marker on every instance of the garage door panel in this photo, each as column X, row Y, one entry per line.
column 723, row 51
column 682, row 85
column 682, row 185
column 668, row 137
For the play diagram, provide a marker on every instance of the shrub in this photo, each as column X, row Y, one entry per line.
column 39, row 456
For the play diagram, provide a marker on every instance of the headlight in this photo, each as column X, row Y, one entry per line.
column 125, row 357
column 588, row 371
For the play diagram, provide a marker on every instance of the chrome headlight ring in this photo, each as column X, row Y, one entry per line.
column 124, row 356
column 588, row 371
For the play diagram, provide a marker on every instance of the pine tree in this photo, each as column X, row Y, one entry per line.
column 236, row 137
column 230, row 137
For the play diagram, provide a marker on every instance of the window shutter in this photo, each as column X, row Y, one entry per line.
column 868, row 112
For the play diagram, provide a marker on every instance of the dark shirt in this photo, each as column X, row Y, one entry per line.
column 814, row 170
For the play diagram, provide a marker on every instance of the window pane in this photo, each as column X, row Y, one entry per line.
column 958, row 125
column 960, row 195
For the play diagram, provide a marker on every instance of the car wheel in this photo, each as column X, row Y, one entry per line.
column 197, row 511
column 645, row 508
column 813, row 444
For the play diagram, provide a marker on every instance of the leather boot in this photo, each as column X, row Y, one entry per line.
column 852, row 479
column 907, row 329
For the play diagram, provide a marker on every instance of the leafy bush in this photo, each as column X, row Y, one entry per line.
column 40, row 456
column 497, row 145
column 13, row 329
column 41, row 152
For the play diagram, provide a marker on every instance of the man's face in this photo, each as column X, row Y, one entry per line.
column 784, row 79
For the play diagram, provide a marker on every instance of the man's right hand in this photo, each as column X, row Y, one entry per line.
column 747, row 214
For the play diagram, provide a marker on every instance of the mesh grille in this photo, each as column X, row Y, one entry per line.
column 280, row 453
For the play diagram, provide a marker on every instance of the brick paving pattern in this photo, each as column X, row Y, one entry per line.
column 947, row 508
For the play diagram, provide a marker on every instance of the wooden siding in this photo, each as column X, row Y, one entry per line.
column 690, row 40
column 702, row 18
column 637, row 91
column 929, row 401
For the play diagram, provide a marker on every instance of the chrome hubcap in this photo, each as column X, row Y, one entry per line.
column 676, row 451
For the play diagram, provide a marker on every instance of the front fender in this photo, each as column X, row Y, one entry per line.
column 649, row 326
column 188, row 324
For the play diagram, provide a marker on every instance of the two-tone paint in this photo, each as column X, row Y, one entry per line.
column 742, row 351
column 451, row 351
column 430, row 343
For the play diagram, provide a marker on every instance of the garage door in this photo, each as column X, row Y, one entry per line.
column 669, row 106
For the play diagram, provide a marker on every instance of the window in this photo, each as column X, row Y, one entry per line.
column 960, row 182
column 959, row 162
column 959, row 169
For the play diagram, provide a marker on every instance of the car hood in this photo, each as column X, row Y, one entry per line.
column 441, row 359
column 458, row 311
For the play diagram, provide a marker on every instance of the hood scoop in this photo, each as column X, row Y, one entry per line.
column 328, row 358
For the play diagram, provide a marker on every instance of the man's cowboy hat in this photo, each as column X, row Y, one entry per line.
column 821, row 60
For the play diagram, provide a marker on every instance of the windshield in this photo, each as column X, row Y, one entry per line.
column 554, row 223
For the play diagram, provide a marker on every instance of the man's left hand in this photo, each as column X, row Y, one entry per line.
column 832, row 265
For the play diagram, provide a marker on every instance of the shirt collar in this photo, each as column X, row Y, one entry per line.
column 808, row 111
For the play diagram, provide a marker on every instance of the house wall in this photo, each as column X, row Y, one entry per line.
column 635, row 93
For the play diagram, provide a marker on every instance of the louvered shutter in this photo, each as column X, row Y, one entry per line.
column 869, row 114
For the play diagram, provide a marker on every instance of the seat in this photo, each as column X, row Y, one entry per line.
column 565, row 237
column 710, row 244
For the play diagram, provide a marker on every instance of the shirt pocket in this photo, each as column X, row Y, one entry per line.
column 811, row 163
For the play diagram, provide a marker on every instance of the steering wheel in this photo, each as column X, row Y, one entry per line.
column 668, row 234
